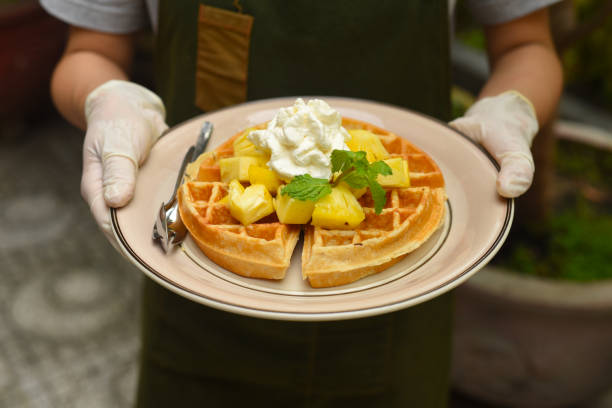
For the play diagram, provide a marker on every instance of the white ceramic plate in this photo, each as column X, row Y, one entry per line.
column 476, row 224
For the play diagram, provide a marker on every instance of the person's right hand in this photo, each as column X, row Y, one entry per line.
column 124, row 120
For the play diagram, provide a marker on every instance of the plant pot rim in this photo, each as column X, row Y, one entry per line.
column 586, row 134
column 502, row 283
column 521, row 288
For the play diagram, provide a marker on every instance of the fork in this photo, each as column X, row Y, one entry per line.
column 168, row 228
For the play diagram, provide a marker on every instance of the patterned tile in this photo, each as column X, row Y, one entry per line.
column 68, row 302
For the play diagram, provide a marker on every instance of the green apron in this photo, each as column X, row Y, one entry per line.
column 394, row 52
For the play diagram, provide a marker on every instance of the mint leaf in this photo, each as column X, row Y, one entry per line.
column 307, row 188
column 343, row 160
column 355, row 171
column 357, row 178
column 379, row 167
column 378, row 194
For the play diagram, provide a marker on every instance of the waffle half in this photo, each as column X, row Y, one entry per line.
column 260, row 250
column 410, row 217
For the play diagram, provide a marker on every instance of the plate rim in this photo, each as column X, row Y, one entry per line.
column 443, row 287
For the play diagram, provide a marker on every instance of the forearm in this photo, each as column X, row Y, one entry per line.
column 523, row 58
column 90, row 60
column 532, row 69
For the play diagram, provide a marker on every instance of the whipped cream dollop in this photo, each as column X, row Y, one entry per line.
column 300, row 139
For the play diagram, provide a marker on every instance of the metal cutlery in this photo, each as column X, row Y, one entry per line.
column 168, row 228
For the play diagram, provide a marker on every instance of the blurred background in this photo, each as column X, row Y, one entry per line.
column 534, row 329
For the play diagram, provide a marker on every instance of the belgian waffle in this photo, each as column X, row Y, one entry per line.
column 330, row 257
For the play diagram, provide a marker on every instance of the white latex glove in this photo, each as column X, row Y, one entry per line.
column 505, row 125
column 124, row 120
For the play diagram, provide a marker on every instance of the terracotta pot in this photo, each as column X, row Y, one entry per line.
column 31, row 43
column 531, row 342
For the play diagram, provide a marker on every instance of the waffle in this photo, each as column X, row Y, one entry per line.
column 411, row 215
column 329, row 257
column 260, row 250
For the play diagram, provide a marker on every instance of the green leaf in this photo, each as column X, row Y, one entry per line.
column 307, row 188
column 357, row 178
column 343, row 160
column 379, row 167
column 379, row 195
column 357, row 172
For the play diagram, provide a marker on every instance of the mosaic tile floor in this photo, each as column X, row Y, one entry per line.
column 68, row 301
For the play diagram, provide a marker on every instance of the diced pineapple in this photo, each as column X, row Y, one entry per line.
column 357, row 192
column 238, row 167
column 208, row 169
column 244, row 147
column 338, row 210
column 250, row 204
column 400, row 176
column 224, row 200
column 263, row 175
column 292, row 211
column 191, row 171
column 368, row 142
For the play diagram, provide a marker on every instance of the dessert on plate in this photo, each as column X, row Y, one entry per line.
column 363, row 196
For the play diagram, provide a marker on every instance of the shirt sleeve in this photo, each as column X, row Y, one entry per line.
column 489, row 12
column 110, row 16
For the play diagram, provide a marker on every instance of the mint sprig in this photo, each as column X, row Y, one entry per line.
column 342, row 160
column 305, row 187
column 354, row 169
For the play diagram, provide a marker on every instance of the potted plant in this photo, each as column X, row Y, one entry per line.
column 534, row 328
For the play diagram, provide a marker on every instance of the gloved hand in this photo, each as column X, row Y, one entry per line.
column 505, row 125
column 124, row 120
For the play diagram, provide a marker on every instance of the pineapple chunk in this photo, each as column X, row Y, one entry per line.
column 244, row 147
column 208, row 169
column 357, row 192
column 265, row 176
column 238, row 167
column 250, row 204
column 224, row 200
column 368, row 142
column 400, row 176
column 292, row 211
column 191, row 171
column 338, row 210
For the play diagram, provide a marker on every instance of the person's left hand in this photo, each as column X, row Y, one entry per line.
column 505, row 125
